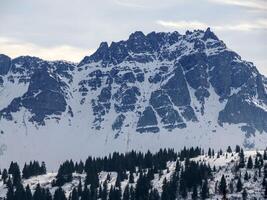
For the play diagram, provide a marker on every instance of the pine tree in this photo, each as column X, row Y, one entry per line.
column 20, row 193
column 239, row 185
column 229, row 150
column 38, row 194
column 250, row 163
column 79, row 189
column 25, row 172
column 205, row 190
column 92, row 179
column 126, row 193
column 28, row 193
column 9, row 183
column 118, row 182
column 43, row 168
column 154, row 195
column 74, row 194
column 4, row 176
column 165, row 190
column 182, row 188
column 194, row 193
column 108, row 177
column 15, row 171
column 85, row 193
column 241, row 159
column 59, row 194
column 209, row 153
column 265, row 155
column 104, row 193
column 256, row 162
column 48, row 195
column 131, row 177
column 223, row 186
column 10, row 194
column 237, row 149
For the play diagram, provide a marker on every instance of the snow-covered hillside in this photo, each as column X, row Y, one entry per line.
column 222, row 164
column 148, row 92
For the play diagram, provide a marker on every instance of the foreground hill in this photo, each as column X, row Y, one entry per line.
column 165, row 175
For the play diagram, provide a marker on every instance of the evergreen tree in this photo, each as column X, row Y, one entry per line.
column 132, row 193
column 237, row 149
column 4, row 176
column 38, row 194
column 250, row 163
column 43, row 168
column 182, row 188
column 239, row 185
column 25, row 172
column 241, row 159
column 229, row 150
column 79, row 189
column 15, row 171
column 92, row 179
column 223, row 186
column 64, row 174
column 118, row 182
column 28, row 193
column 131, row 177
column 126, row 193
column 165, row 190
column 104, row 193
column 10, row 194
column 9, row 183
column 194, row 193
column 85, row 193
column 205, row 190
column 74, row 194
column 265, row 155
column 209, row 153
column 20, row 193
column 59, row 194
column 154, row 195
column 142, row 187
column 48, row 195
column 256, row 163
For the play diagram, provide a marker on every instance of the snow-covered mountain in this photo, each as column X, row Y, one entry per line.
column 148, row 92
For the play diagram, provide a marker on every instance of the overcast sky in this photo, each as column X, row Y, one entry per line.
column 71, row 29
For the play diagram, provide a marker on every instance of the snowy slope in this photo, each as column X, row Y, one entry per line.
column 148, row 92
column 225, row 165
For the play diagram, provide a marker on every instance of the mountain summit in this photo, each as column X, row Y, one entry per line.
column 150, row 91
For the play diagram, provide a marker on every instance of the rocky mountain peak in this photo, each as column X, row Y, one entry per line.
column 189, row 86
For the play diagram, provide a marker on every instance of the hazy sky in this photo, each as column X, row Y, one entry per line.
column 71, row 29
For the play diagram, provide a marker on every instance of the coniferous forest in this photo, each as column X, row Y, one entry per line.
column 164, row 175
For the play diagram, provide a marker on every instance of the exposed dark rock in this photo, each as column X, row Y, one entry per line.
column 5, row 63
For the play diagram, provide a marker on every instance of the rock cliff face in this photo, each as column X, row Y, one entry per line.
column 156, row 83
